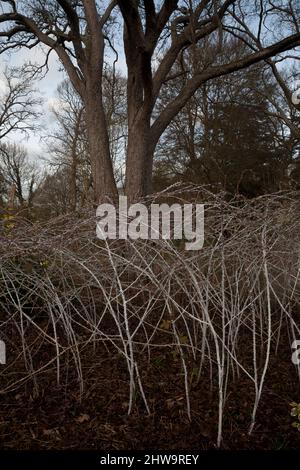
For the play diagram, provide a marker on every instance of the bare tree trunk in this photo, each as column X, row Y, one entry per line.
column 139, row 161
column 103, row 179
column 104, row 184
column 140, row 105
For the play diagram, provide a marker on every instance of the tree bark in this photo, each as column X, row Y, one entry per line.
column 139, row 161
column 104, row 185
column 140, row 105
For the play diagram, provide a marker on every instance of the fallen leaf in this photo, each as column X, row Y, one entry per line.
column 82, row 418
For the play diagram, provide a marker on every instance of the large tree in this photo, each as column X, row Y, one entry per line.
column 156, row 34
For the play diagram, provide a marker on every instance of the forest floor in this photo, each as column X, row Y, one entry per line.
column 58, row 417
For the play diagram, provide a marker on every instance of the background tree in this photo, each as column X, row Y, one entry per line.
column 19, row 102
column 16, row 171
column 114, row 95
column 243, row 155
column 53, row 197
column 67, row 145
column 217, row 137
